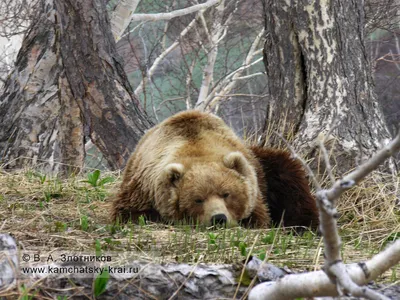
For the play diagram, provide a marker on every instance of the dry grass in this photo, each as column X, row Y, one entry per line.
column 49, row 214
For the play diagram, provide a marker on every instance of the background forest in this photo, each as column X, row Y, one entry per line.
column 211, row 59
column 82, row 80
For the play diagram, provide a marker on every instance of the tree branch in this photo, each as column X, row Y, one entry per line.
column 318, row 284
column 229, row 81
column 174, row 14
column 161, row 57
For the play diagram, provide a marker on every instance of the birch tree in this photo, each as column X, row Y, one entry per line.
column 319, row 76
column 68, row 85
column 54, row 102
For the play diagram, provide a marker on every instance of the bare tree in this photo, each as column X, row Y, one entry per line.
column 381, row 14
column 209, row 59
column 208, row 55
column 319, row 76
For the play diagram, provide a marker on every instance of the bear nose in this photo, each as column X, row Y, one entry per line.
column 219, row 219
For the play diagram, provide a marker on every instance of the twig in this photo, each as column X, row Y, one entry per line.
column 326, row 160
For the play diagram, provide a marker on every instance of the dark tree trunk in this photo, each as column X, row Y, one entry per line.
column 69, row 85
column 320, row 78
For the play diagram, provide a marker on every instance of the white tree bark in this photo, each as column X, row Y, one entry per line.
column 124, row 13
column 174, row 14
column 121, row 17
column 318, row 284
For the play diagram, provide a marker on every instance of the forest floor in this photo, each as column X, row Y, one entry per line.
column 52, row 215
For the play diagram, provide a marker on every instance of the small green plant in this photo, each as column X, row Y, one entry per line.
column 53, row 190
column 285, row 241
column 141, row 221
column 84, row 223
column 269, row 237
column 60, row 226
column 262, row 254
column 357, row 242
column 97, row 246
column 110, row 243
column 212, row 238
column 243, row 248
column 25, row 294
column 393, row 277
column 42, row 177
column 94, row 179
column 62, row 297
column 392, row 237
column 100, row 283
column 245, row 279
column 30, row 174
column 47, row 196
column 113, row 228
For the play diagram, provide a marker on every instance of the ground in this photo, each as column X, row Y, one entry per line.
column 50, row 214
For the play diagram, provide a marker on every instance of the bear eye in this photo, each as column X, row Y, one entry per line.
column 199, row 201
column 225, row 195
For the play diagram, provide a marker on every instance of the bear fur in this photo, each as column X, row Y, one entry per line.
column 193, row 166
column 288, row 194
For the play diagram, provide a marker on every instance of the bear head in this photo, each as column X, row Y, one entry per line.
column 208, row 192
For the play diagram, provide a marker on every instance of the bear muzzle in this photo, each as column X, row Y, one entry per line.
column 219, row 219
column 217, row 213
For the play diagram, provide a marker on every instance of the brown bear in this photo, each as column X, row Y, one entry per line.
column 193, row 166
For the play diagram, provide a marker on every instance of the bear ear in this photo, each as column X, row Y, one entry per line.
column 236, row 161
column 173, row 172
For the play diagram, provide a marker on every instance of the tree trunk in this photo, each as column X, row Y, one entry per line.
column 68, row 85
column 319, row 76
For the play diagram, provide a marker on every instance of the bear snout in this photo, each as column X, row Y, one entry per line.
column 219, row 219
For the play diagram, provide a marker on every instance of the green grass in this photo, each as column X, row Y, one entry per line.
column 49, row 214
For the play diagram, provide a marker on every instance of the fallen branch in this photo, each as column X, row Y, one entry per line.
column 317, row 283
column 337, row 279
